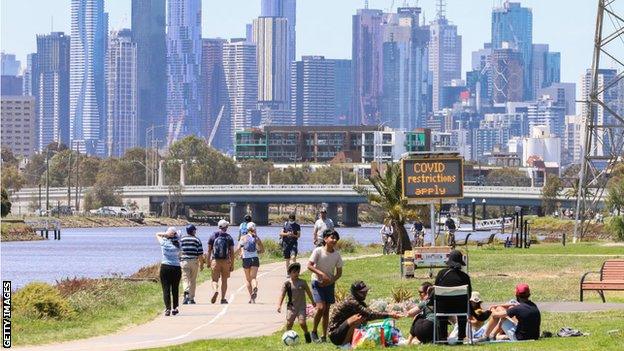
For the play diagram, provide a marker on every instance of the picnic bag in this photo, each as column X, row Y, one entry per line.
column 220, row 248
column 382, row 334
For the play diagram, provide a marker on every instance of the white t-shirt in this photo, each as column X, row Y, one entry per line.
column 326, row 262
column 322, row 225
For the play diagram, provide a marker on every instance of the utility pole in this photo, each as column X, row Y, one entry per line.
column 69, row 169
column 77, row 177
column 47, row 179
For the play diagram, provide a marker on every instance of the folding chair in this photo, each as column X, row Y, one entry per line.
column 449, row 301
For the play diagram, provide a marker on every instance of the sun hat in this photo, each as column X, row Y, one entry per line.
column 475, row 297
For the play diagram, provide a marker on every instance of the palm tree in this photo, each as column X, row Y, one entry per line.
column 388, row 196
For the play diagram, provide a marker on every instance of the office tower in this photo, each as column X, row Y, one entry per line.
column 288, row 10
column 313, row 91
column 121, row 83
column 507, row 75
column 572, row 139
column 183, row 69
column 546, row 112
column 403, row 102
column 343, row 93
column 12, row 85
column 367, row 56
column 18, row 124
column 486, row 138
column 601, row 141
column 87, row 110
column 564, row 94
column 444, row 54
column 52, row 81
column 513, row 24
column 270, row 37
column 10, row 66
column 214, row 91
column 553, row 69
column 148, row 32
column 479, row 80
column 30, row 87
column 545, row 67
column 241, row 79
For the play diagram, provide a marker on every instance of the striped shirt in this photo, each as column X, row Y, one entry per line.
column 191, row 247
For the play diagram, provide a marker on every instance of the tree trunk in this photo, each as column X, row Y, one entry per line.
column 402, row 238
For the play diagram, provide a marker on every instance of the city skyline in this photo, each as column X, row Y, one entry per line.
column 328, row 33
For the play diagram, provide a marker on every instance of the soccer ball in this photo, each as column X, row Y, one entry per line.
column 290, row 338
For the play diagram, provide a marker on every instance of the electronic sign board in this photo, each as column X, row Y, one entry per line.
column 432, row 178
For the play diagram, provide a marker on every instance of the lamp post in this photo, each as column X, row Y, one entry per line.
column 474, row 219
column 484, row 211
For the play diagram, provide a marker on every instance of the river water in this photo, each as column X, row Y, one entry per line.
column 97, row 252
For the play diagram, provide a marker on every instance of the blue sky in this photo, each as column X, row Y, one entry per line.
column 324, row 26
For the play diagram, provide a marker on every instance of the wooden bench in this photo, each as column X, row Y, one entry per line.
column 488, row 242
column 611, row 278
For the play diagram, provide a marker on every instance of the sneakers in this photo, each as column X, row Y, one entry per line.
column 323, row 339
column 214, row 297
column 314, row 336
column 192, row 301
column 254, row 294
column 224, row 302
column 308, row 338
column 175, row 311
column 167, row 312
column 186, row 298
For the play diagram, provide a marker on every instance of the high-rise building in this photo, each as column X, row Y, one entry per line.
column 52, row 81
column 546, row 112
column 288, row 10
column 444, row 55
column 241, row 78
column 343, row 92
column 148, row 32
column 479, row 80
column 87, row 110
column 572, row 139
column 10, row 66
column 485, row 139
column 405, row 72
column 313, row 91
column 184, row 48
column 545, row 67
column 564, row 94
column 17, row 115
column 121, row 82
column 11, row 85
column 270, row 37
column 30, row 87
column 553, row 68
column 367, row 56
column 214, row 90
column 507, row 75
column 513, row 24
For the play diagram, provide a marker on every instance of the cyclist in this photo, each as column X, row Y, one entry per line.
column 387, row 239
column 451, row 228
column 418, row 231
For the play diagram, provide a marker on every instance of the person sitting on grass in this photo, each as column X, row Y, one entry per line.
column 421, row 331
column 296, row 289
column 519, row 320
column 352, row 312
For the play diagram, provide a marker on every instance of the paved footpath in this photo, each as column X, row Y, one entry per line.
column 207, row 321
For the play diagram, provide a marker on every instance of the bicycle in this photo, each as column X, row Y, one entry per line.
column 419, row 238
column 389, row 246
column 450, row 239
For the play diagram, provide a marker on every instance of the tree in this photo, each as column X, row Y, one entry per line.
column 105, row 192
column 12, row 179
column 571, row 175
column 89, row 168
column 331, row 175
column 389, row 198
column 8, row 159
column 615, row 195
column 204, row 165
column 507, row 177
column 6, row 203
column 259, row 170
column 291, row 175
column 550, row 193
column 135, row 159
column 34, row 170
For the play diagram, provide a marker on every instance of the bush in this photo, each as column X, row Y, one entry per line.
column 347, row 245
column 272, row 248
column 41, row 300
column 615, row 226
column 69, row 286
column 400, row 294
column 148, row 272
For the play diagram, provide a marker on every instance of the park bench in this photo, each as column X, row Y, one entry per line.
column 611, row 278
column 465, row 242
column 488, row 242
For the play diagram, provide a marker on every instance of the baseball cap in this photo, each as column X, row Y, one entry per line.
column 190, row 228
column 223, row 223
column 171, row 230
column 522, row 289
column 475, row 297
column 359, row 286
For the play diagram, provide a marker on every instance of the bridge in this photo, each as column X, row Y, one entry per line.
column 152, row 198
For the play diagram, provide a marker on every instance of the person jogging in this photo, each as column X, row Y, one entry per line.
column 192, row 250
column 249, row 247
column 170, row 271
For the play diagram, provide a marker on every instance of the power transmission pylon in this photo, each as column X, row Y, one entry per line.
column 604, row 122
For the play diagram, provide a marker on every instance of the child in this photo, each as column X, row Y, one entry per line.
column 296, row 289
column 326, row 266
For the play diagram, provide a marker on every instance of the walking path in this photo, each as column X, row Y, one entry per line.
column 234, row 320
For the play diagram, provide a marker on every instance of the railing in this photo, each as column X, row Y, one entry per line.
column 493, row 223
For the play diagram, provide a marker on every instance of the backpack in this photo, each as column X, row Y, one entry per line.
column 221, row 247
column 250, row 245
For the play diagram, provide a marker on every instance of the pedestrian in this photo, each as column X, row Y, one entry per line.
column 320, row 226
column 453, row 276
column 296, row 290
column 220, row 259
column 242, row 228
column 170, row 271
column 326, row 266
column 291, row 232
column 249, row 247
column 192, row 250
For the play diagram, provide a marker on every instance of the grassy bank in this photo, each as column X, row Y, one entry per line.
column 97, row 221
column 15, row 231
column 550, row 226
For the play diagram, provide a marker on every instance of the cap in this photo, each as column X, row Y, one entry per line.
column 294, row 266
column 251, row 226
column 223, row 224
column 247, row 218
column 359, row 286
column 475, row 297
column 190, row 228
column 323, row 210
column 522, row 289
column 456, row 257
column 171, row 230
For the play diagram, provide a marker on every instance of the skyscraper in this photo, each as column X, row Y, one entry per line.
column 30, row 87
column 10, row 66
column 343, row 93
column 214, row 90
column 183, row 69
column 367, row 56
column 121, row 82
column 288, row 10
column 546, row 112
column 507, row 75
column 601, row 141
column 241, row 77
column 270, row 37
column 52, row 81
column 545, row 67
column 444, row 54
column 86, row 79
column 148, row 32
column 313, row 91
column 513, row 24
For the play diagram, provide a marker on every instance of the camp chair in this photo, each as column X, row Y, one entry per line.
column 449, row 301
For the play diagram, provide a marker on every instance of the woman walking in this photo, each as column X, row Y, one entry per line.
column 250, row 246
column 170, row 271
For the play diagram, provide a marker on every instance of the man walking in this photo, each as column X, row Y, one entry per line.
column 320, row 226
column 191, row 250
column 290, row 236
column 220, row 259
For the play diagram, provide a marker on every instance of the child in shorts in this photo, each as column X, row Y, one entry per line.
column 296, row 290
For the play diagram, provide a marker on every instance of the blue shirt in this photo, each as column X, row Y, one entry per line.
column 170, row 253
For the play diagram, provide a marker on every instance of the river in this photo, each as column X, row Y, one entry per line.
column 97, row 252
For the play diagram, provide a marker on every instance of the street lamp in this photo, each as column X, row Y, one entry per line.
column 484, row 212
column 474, row 206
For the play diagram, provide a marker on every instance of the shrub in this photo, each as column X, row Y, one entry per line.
column 272, row 248
column 400, row 294
column 615, row 226
column 41, row 300
column 148, row 272
column 341, row 293
column 69, row 286
column 347, row 245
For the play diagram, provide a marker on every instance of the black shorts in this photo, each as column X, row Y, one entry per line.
column 338, row 336
column 251, row 262
column 290, row 250
column 422, row 329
